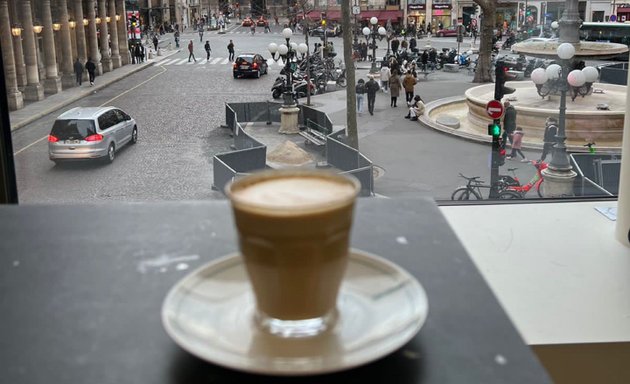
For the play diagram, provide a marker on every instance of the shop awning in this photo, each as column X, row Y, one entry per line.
column 336, row 15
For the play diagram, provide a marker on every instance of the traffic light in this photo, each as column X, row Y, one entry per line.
column 133, row 20
column 499, row 84
column 494, row 130
column 528, row 12
column 323, row 23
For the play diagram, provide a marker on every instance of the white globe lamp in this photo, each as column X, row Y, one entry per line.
column 539, row 76
column 373, row 20
column 273, row 48
column 382, row 31
column 287, row 33
column 553, row 71
column 591, row 74
column 576, row 78
column 366, row 31
column 283, row 49
column 302, row 48
column 554, row 25
column 565, row 51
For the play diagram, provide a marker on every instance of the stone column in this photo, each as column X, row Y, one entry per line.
column 52, row 84
column 106, row 60
column 80, row 31
column 570, row 23
column 123, row 45
column 93, row 43
column 14, row 96
column 33, row 91
column 67, row 69
column 113, row 32
column 18, row 53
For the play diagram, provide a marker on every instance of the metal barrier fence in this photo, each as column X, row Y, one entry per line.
column 250, row 154
column 614, row 74
column 598, row 173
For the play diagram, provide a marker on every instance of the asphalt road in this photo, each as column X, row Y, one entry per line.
column 179, row 107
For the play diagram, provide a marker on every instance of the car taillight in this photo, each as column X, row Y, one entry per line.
column 52, row 139
column 255, row 66
column 94, row 137
column 234, row 66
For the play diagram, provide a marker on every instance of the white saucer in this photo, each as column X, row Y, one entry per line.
column 209, row 313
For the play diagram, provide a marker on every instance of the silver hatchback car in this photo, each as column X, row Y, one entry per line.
column 90, row 133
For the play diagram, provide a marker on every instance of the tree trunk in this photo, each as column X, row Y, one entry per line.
column 483, row 73
column 351, row 97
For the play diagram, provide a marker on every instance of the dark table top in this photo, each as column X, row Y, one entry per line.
column 81, row 289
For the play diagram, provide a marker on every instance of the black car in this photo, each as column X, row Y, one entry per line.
column 250, row 64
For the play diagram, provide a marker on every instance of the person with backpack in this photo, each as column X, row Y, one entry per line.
column 360, row 91
column 385, row 73
column 549, row 138
column 509, row 122
column 409, row 82
column 371, row 88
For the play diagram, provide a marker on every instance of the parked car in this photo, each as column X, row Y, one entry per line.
column 261, row 22
column 250, row 64
column 319, row 31
column 90, row 133
column 448, row 31
column 247, row 22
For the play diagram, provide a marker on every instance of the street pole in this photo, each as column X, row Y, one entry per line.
column 308, row 55
column 351, row 97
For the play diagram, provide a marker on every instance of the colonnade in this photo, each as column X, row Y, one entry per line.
column 41, row 39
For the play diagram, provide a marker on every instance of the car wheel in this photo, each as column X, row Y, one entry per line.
column 111, row 154
column 134, row 135
column 235, row 75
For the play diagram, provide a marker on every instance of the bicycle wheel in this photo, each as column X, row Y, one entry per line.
column 540, row 188
column 463, row 193
column 506, row 195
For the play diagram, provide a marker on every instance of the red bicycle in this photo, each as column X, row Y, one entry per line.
column 519, row 191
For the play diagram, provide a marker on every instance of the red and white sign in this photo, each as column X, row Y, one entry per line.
column 494, row 108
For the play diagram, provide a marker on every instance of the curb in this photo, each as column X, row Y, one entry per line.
column 72, row 99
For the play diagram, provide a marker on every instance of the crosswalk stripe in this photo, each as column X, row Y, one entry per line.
column 182, row 61
column 202, row 62
column 167, row 61
column 216, row 60
column 225, row 61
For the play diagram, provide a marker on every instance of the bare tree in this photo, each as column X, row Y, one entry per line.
column 483, row 73
column 305, row 7
column 351, row 97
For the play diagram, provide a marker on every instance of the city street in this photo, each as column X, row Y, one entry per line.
column 179, row 107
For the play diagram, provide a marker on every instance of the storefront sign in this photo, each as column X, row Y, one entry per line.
column 417, row 7
column 442, row 6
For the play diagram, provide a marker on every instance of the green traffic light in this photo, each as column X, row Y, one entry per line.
column 494, row 130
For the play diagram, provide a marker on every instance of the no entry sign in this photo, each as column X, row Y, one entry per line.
column 494, row 108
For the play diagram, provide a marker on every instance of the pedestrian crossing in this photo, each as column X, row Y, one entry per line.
column 212, row 61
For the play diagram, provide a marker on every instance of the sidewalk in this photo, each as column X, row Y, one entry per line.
column 34, row 110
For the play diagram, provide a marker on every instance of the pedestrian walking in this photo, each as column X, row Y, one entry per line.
column 208, row 49
column 409, row 82
column 549, row 138
column 155, row 42
column 395, row 43
column 230, row 48
column 385, row 73
column 416, row 109
column 509, row 121
column 517, row 142
column 142, row 50
column 360, row 91
column 191, row 52
column 90, row 67
column 200, row 33
column 267, row 28
column 371, row 87
column 394, row 87
column 78, row 71
column 176, row 34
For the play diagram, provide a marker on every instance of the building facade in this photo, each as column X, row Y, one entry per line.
column 41, row 40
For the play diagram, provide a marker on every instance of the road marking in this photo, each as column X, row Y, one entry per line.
column 107, row 102
column 225, row 61
column 216, row 60
column 167, row 61
column 182, row 61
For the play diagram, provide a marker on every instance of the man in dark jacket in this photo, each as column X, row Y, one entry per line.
column 78, row 71
column 207, row 48
column 155, row 42
column 509, row 121
column 91, row 68
column 549, row 139
column 371, row 88
column 395, row 44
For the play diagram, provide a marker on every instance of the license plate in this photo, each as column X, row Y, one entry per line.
column 73, row 141
column 244, row 66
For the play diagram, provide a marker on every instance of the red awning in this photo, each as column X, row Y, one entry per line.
column 365, row 15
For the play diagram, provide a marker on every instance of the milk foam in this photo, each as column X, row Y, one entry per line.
column 294, row 192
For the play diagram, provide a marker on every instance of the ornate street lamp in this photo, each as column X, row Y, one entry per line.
column 86, row 22
column 559, row 175
column 72, row 24
column 37, row 27
column 108, row 19
column 97, row 20
column 374, row 32
column 118, row 17
column 56, row 27
column 550, row 81
column 288, row 52
column 16, row 30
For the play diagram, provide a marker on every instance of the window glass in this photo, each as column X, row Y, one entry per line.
column 73, row 129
